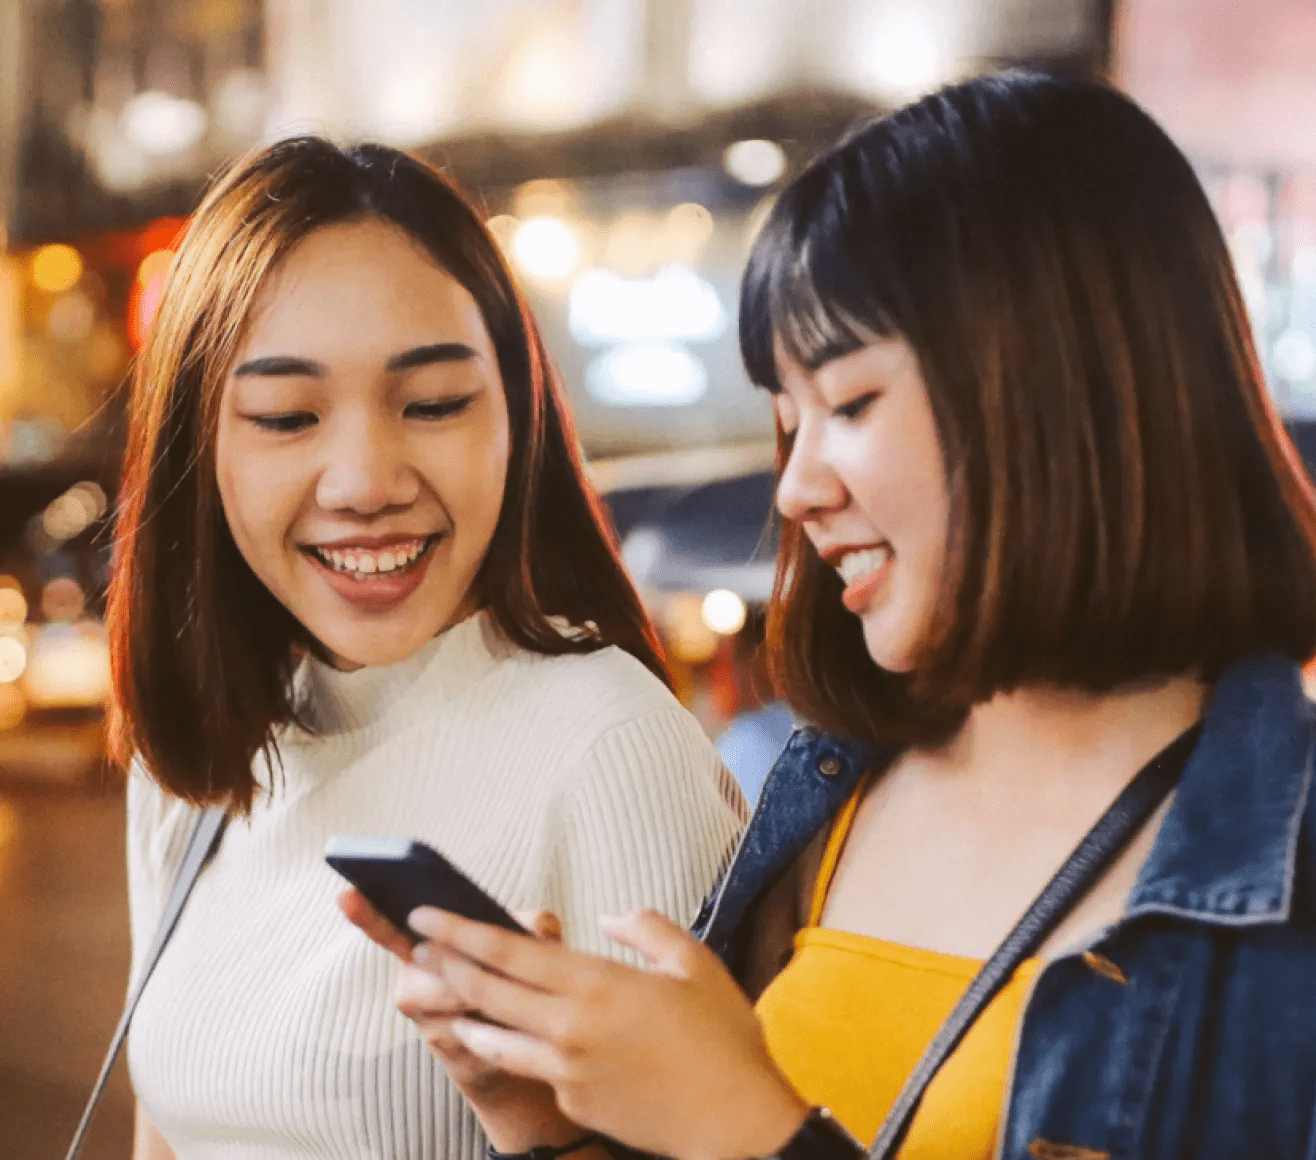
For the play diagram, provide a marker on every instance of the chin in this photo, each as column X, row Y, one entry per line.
column 352, row 651
column 890, row 652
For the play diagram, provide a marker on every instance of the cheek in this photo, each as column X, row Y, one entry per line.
column 253, row 498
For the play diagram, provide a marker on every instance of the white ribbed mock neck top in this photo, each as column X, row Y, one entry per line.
column 575, row 783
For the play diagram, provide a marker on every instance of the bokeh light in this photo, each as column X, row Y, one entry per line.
column 144, row 300
column 56, row 268
column 546, row 247
column 13, row 659
column 723, row 611
column 755, row 162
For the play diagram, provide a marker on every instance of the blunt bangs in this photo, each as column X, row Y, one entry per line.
column 820, row 282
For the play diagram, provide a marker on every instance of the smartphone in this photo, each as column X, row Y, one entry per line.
column 397, row 875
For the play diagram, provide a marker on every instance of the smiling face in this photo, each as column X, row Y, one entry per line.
column 362, row 443
column 866, row 481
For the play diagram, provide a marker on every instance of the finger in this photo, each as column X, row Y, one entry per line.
column 509, row 1002
column 507, row 1050
column 539, row 963
column 419, row 994
column 542, row 923
column 376, row 927
column 669, row 948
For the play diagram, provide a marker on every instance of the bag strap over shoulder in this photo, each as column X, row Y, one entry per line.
column 201, row 844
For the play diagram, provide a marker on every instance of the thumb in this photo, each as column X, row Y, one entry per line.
column 667, row 947
column 541, row 923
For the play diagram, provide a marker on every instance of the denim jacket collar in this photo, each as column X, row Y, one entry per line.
column 1227, row 850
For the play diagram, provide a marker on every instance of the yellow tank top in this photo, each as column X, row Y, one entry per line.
column 849, row 1016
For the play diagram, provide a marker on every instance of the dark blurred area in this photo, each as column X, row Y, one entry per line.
column 625, row 151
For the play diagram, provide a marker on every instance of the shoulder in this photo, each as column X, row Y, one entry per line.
column 606, row 688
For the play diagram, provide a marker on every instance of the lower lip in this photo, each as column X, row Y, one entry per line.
column 859, row 595
column 379, row 592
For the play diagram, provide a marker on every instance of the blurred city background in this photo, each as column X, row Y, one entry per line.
column 625, row 151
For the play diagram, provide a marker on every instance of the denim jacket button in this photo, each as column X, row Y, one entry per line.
column 829, row 766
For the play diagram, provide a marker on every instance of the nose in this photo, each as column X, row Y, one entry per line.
column 809, row 486
column 366, row 468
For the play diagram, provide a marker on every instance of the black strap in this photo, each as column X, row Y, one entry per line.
column 1094, row 854
column 201, row 844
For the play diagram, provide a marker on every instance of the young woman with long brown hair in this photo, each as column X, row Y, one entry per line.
column 362, row 585
column 1048, row 558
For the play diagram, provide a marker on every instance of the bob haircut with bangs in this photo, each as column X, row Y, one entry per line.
column 202, row 652
column 1124, row 502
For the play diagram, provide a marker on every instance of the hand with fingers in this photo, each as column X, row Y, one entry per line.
column 670, row 1060
column 517, row 1113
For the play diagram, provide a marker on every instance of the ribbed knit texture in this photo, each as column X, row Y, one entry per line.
column 575, row 783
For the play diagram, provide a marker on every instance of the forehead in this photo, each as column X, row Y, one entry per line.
column 356, row 284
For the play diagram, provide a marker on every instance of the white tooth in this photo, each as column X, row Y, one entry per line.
column 366, row 564
column 861, row 563
column 349, row 562
column 387, row 562
column 337, row 558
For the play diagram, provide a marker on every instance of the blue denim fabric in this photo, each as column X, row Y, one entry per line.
column 1208, row 1049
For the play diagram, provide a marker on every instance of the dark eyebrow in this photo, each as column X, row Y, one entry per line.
column 279, row 365
column 436, row 352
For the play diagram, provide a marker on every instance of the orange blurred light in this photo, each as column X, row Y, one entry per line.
column 56, row 268
column 144, row 300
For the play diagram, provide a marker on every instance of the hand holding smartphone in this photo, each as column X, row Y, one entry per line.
column 396, row 875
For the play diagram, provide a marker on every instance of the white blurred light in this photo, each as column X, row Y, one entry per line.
column 1295, row 356
column 723, row 611
column 641, row 550
column 546, row 247
column 646, row 375
column 1304, row 265
column 13, row 659
column 676, row 304
column 160, row 124
column 69, row 668
column 755, row 162
column 895, row 52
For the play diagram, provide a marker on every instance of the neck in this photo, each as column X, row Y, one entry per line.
column 1024, row 736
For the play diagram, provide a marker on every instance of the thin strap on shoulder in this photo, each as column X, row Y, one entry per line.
column 201, row 844
column 835, row 844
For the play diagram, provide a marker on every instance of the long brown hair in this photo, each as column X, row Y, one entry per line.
column 202, row 652
column 1123, row 500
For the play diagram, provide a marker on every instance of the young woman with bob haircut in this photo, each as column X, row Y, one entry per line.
column 362, row 586
column 1046, row 548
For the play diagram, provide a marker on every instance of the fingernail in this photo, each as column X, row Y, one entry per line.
column 420, row 920
column 471, row 1036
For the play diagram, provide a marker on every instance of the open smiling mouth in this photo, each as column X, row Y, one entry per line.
column 370, row 563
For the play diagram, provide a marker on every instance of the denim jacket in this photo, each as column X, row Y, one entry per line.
column 1207, row 1048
